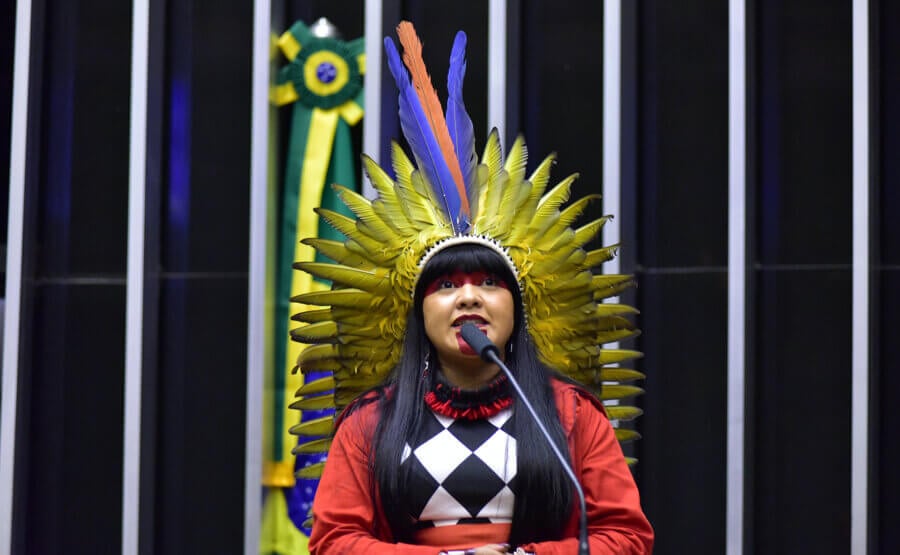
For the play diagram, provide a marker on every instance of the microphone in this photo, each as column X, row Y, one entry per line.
column 490, row 353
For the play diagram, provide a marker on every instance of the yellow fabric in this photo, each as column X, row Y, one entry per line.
column 289, row 45
column 283, row 94
column 351, row 112
column 312, row 182
column 278, row 534
column 361, row 62
column 279, row 473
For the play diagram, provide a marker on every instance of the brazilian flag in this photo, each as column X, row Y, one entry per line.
column 322, row 81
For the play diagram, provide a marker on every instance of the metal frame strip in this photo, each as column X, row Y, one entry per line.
column 859, row 464
column 737, row 276
column 13, row 295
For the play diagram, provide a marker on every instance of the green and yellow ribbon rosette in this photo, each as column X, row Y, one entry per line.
column 323, row 81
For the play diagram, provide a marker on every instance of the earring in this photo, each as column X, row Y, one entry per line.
column 427, row 361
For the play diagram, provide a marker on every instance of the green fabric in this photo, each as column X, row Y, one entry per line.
column 341, row 170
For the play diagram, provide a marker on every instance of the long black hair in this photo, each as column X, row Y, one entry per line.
column 543, row 501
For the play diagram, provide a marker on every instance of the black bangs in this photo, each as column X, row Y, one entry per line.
column 466, row 258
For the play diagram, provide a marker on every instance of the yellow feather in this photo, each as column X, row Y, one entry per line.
column 612, row 356
column 403, row 166
column 419, row 211
column 420, row 185
column 481, row 179
column 562, row 239
column 313, row 316
column 616, row 391
column 318, row 402
column 611, row 336
column 317, row 352
column 514, row 195
column 516, row 160
column 615, row 309
column 547, row 211
column 337, row 251
column 318, row 365
column 491, row 221
column 322, row 332
column 374, row 280
column 623, row 412
column 548, row 263
column 371, row 246
column 380, row 180
column 570, row 214
column 620, row 374
column 317, row 446
column 320, row 385
column 599, row 256
column 625, row 435
column 318, row 427
column 541, row 175
column 489, row 196
column 351, row 298
column 608, row 323
column 525, row 215
column 588, row 231
column 610, row 285
column 369, row 222
column 312, row 471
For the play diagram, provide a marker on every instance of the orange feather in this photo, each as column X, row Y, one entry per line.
column 412, row 57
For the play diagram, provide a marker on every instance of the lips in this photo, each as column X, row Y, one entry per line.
column 477, row 320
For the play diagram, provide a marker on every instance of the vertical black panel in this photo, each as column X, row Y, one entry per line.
column 886, row 486
column 804, row 143
column 681, row 204
column 69, row 441
column 76, row 419
column 203, row 256
column 86, row 102
column 886, row 231
column 887, row 141
column 800, row 442
column 683, row 162
column 155, row 154
column 682, row 455
column 561, row 99
column 200, row 466
column 209, row 125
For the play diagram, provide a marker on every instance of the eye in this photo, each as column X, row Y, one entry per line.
column 489, row 281
column 446, row 284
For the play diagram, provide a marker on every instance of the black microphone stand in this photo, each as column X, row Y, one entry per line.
column 489, row 352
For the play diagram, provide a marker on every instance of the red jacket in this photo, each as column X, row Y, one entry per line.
column 348, row 521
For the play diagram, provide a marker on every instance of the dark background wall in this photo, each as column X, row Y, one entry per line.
column 674, row 228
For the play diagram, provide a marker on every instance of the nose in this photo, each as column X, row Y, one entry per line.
column 468, row 295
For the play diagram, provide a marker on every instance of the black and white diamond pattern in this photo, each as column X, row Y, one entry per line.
column 462, row 470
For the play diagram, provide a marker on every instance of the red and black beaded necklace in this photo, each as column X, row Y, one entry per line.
column 469, row 404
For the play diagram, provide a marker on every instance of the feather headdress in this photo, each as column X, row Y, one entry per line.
column 448, row 197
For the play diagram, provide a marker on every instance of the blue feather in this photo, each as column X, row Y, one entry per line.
column 459, row 123
column 422, row 141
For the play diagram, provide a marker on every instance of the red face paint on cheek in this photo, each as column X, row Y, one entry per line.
column 460, row 278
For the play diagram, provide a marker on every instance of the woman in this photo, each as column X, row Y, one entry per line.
column 433, row 453
column 440, row 458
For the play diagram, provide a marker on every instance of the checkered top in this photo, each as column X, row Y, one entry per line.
column 462, row 471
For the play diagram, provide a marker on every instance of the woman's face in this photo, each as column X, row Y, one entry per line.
column 453, row 299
